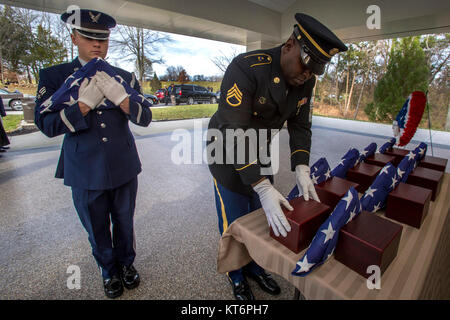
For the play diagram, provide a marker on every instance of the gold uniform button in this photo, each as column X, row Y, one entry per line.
column 103, row 125
column 99, row 112
column 276, row 80
column 104, row 139
column 255, row 113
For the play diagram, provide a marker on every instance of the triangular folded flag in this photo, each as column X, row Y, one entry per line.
column 319, row 172
column 421, row 149
column 387, row 145
column 407, row 165
column 375, row 196
column 67, row 95
column 347, row 162
column 367, row 152
column 324, row 242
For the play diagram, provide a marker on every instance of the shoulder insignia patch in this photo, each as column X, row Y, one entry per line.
column 300, row 103
column 41, row 92
column 259, row 59
column 234, row 96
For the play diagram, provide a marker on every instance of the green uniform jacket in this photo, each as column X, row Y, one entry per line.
column 254, row 95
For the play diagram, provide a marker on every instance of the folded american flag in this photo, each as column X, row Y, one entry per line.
column 421, row 149
column 320, row 171
column 407, row 165
column 324, row 242
column 375, row 196
column 67, row 94
column 367, row 152
column 387, row 145
column 347, row 162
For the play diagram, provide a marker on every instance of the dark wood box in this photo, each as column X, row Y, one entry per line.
column 368, row 240
column 364, row 175
column 408, row 204
column 332, row 190
column 305, row 220
column 427, row 178
column 379, row 159
column 399, row 154
column 434, row 163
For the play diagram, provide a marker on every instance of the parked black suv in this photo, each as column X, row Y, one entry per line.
column 191, row 93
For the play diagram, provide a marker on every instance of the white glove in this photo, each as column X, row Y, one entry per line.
column 270, row 200
column 304, row 182
column 89, row 93
column 112, row 89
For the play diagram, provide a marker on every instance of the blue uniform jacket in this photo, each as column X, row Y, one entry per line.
column 98, row 151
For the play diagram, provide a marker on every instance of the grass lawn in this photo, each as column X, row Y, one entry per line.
column 12, row 122
column 184, row 112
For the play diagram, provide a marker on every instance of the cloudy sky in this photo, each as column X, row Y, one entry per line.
column 194, row 54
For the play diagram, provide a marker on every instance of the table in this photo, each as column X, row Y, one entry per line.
column 421, row 269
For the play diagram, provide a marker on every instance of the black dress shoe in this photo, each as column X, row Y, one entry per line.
column 130, row 277
column 113, row 287
column 2, row 150
column 265, row 282
column 5, row 147
column 241, row 290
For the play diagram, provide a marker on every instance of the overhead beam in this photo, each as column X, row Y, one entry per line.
column 247, row 23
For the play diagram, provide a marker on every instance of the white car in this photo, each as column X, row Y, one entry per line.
column 11, row 100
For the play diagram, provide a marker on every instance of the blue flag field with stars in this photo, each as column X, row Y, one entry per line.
column 324, row 242
column 67, row 95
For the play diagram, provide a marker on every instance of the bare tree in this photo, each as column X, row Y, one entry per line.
column 139, row 45
column 224, row 60
column 171, row 73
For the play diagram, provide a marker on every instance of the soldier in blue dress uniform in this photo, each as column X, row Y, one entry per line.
column 98, row 159
column 262, row 90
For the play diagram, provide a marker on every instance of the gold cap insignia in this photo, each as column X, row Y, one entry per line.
column 334, row 51
column 276, row 80
column 234, row 96
column 262, row 100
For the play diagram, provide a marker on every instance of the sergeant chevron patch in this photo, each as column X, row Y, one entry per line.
column 234, row 96
column 300, row 103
